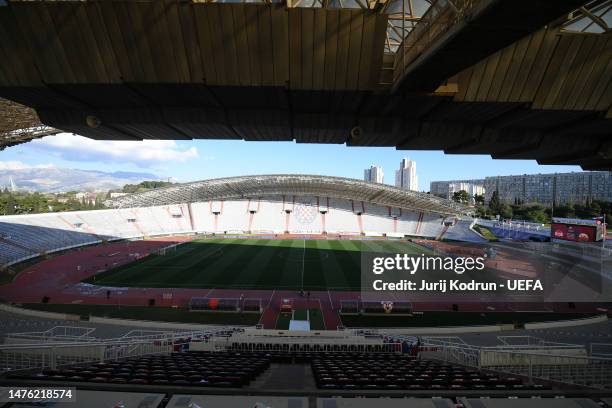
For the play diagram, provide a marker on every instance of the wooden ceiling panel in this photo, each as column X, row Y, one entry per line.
column 332, row 20
column 307, row 47
column 280, row 44
column 344, row 35
column 207, row 25
column 548, row 69
column 139, row 33
column 184, row 17
column 97, row 30
column 512, row 75
column 601, row 93
column 366, row 54
column 43, row 43
column 118, row 51
column 265, row 48
column 560, row 63
column 168, row 41
column 244, row 61
column 571, row 74
column 72, row 45
column 159, row 43
column 295, row 50
column 526, row 68
column 586, row 73
column 181, row 47
column 254, row 48
column 354, row 55
column 319, row 49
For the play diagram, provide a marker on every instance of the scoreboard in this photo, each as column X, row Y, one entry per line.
column 577, row 230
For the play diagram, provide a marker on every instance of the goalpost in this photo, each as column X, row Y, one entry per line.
column 171, row 248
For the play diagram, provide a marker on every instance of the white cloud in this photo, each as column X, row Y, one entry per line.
column 17, row 165
column 44, row 181
column 146, row 153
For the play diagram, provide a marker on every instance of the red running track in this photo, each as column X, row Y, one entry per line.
column 59, row 279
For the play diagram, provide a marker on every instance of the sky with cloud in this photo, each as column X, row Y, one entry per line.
column 147, row 153
column 202, row 159
column 17, row 165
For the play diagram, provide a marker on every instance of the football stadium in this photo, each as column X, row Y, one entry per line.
column 307, row 290
column 264, row 271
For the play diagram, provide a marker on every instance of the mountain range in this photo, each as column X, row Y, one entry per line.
column 56, row 179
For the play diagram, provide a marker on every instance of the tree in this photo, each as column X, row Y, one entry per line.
column 494, row 203
column 144, row 186
column 505, row 211
column 565, row 211
column 479, row 199
column 11, row 205
column 481, row 211
column 461, row 196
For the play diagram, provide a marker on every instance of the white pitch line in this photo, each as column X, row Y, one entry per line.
column 322, row 314
column 270, row 300
column 303, row 256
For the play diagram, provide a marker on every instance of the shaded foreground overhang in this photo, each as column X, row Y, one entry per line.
column 498, row 77
column 288, row 185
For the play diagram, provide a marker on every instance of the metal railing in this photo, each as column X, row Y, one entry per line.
column 583, row 371
column 51, row 352
column 41, row 356
column 603, row 350
column 55, row 334
column 437, row 20
column 515, row 342
column 562, row 363
column 516, row 225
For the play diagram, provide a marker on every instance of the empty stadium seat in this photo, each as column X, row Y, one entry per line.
column 201, row 369
column 398, row 372
column 332, row 371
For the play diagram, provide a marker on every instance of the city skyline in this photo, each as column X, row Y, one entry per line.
column 545, row 188
column 406, row 176
column 374, row 174
column 204, row 159
column 446, row 189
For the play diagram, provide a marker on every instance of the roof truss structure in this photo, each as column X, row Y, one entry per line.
column 20, row 124
column 245, row 187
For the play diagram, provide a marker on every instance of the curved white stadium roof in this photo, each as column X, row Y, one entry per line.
column 244, row 187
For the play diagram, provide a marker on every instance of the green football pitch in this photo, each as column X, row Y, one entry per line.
column 290, row 264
